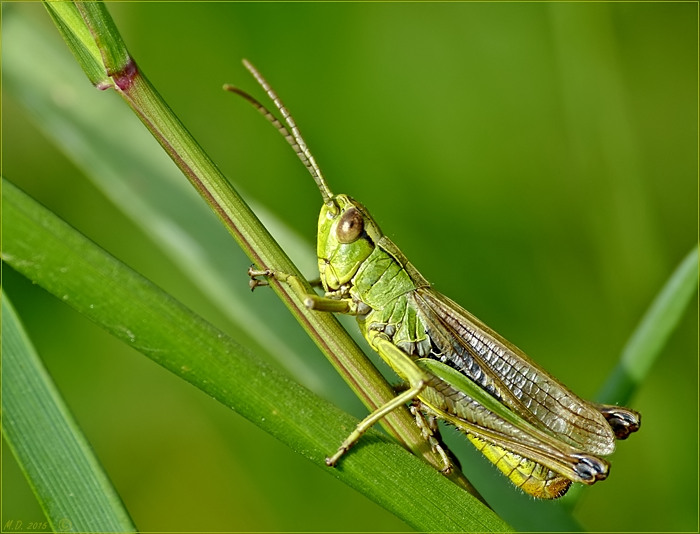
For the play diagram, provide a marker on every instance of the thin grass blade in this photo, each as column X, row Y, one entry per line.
column 70, row 484
column 649, row 338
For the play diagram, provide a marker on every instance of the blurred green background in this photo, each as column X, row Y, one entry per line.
column 536, row 161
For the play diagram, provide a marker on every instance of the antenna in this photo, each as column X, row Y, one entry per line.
column 290, row 132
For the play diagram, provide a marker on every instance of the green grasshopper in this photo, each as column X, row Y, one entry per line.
column 535, row 430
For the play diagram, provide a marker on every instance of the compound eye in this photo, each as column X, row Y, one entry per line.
column 350, row 226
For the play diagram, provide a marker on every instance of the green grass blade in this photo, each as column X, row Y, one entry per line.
column 646, row 342
column 52, row 254
column 66, row 477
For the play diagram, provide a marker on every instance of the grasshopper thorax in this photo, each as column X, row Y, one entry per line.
column 347, row 235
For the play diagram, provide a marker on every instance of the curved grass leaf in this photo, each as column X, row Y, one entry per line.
column 647, row 341
column 66, row 477
column 652, row 333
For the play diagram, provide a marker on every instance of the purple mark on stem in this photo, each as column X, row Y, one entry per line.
column 125, row 78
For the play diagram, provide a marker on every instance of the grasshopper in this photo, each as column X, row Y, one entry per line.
column 533, row 428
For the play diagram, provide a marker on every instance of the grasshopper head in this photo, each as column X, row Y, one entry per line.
column 346, row 232
column 347, row 235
